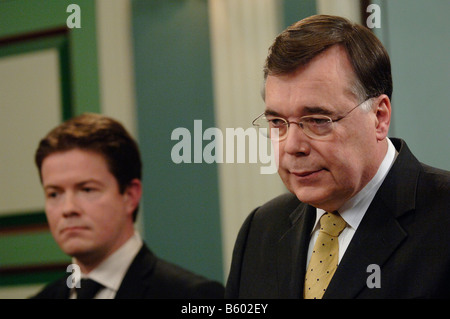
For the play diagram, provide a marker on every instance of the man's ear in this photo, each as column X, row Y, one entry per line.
column 132, row 195
column 382, row 109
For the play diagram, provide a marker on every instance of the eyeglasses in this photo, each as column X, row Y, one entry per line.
column 317, row 127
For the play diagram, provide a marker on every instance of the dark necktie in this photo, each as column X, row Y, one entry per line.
column 88, row 289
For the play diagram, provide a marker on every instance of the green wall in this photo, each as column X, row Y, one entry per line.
column 295, row 10
column 28, row 255
column 18, row 17
column 416, row 34
column 174, row 87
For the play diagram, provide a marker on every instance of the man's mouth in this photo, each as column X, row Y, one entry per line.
column 306, row 175
column 70, row 229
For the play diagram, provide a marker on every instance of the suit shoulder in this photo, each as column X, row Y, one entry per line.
column 435, row 182
column 284, row 203
column 54, row 290
column 438, row 175
column 276, row 210
column 270, row 220
column 179, row 283
column 272, row 211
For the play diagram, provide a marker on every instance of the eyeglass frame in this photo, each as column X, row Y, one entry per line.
column 300, row 123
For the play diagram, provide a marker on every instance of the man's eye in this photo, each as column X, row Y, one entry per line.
column 52, row 195
column 318, row 121
column 276, row 122
column 87, row 189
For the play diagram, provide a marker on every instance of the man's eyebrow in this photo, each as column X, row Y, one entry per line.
column 53, row 187
column 307, row 110
column 89, row 181
column 272, row 112
column 79, row 184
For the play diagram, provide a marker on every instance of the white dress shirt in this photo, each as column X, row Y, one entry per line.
column 111, row 271
column 355, row 208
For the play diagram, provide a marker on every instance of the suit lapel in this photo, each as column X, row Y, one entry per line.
column 380, row 232
column 292, row 252
column 62, row 291
column 132, row 286
column 377, row 237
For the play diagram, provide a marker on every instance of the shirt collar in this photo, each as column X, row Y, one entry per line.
column 354, row 209
column 111, row 271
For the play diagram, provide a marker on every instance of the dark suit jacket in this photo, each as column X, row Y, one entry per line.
column 405, row 231
column 150, row 277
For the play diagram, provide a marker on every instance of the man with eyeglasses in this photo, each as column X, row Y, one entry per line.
column 364, row 218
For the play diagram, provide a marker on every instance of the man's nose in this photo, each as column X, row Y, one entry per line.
column 70, row 205
column 296, row 142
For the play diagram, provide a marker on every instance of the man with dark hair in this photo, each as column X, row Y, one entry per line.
column 90, row 169
column 364, row 218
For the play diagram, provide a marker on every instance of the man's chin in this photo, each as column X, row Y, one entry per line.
column 320, row 199
column 76, row 247
column 311, row 196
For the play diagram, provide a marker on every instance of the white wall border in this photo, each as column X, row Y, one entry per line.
column 241, row 33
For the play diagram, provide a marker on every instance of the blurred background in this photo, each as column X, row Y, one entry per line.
column 157, row 65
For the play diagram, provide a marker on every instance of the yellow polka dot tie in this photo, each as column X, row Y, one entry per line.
column 325, row 256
